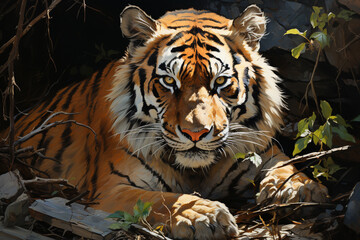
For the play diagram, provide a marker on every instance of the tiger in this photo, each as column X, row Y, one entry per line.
column 169, row 118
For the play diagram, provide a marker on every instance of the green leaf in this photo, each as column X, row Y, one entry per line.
column 345, row 14
column 338, row 119
column 129, row 218
column 117, row 214
column 302, row 126
column 317, row 9
column 312, row 120
column 240, row 155
column 255, row 159
column 295, row 52
column 331, row 166
column 330, row 16
column 327, row 135
column 120, row 225
column 320, row 171
column 343, row 133
column 116, row 226
column 326, row 109
column 322, row 38
column 301, row 144
column 295, row 31
column 356, row 119
column 314, row 20
column 317, row 136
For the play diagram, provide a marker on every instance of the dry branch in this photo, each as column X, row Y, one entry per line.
column 47, row 181
column 310, row 156
column 250, row 214
column 30, row 25
column 44, row 126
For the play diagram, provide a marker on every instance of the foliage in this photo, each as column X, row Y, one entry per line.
column 323, row 135
column 319, row 21
column 325, row 169
column 124, row 220
column 251, row 156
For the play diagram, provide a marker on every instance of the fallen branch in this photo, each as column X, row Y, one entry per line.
column 310, row 156
column 147, row 232
column 47, row 181
column 249, row 214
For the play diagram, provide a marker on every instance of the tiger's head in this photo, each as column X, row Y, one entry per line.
column 193, row 87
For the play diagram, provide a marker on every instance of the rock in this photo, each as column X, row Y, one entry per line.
column 352, row 214
column 10, row 187
column 16, row 212
column 352, row 5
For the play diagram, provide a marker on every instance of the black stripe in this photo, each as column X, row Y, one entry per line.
column 153, row 58
column 234, row 182
column 246, row 77
column 66, row 141
column 152, row 171
column 86, row 84
column 183, row 20
column 96, row 84
column 69, row 97
column 195, row 12
column 180, row 48
column 176, row 37
column 209, row 19
column 176, row 27
column 215, row 27
column 116, row 172
column 211, row 48
column 226, row 176
column 27, row 126
column 243, row 105
column 95, row 175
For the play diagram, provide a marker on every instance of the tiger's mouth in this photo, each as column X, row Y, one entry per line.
column 195, row 158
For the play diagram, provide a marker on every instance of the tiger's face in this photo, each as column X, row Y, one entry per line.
column 193, row 88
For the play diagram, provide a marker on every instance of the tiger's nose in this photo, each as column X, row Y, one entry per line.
column 195, row 136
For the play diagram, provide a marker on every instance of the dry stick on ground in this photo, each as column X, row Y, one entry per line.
column 30, row 25
column 47, row 181
column 276, row 207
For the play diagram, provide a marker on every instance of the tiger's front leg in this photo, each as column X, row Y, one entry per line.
column 187, row 216
column 299, row 188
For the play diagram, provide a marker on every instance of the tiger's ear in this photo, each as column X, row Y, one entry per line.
column 136, row 24
column 252, row 24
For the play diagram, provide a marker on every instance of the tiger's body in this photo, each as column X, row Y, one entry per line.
column 191, row 92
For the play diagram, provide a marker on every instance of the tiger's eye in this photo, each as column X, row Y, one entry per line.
column 220, row 80
column 169, row 80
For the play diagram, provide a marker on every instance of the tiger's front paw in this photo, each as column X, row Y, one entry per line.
column 197, row 218
column 298, row 189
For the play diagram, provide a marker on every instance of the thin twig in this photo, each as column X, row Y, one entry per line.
column 310, row 156
column 32, row 167
column 77, row 198
column 10, row 65
column 45, row 126
column 357, row 37
column 30, row 25
column 46, row 181
column 311, row 83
